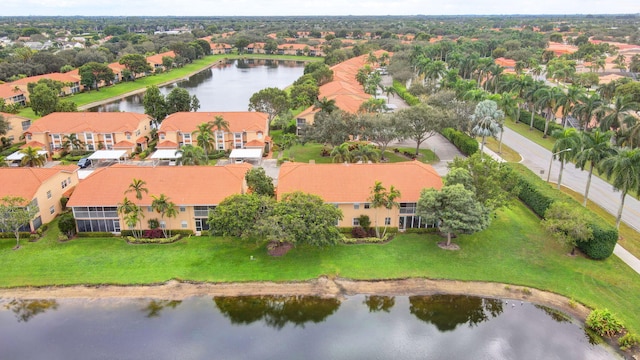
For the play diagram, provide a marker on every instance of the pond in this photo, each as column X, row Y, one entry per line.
column 224, row 87
column 292, row 327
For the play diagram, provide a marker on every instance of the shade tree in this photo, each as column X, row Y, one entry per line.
column 16, row 215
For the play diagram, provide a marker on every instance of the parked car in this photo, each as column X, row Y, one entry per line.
column 84, row 163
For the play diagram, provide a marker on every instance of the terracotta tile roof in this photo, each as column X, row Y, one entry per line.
column 157, row 59
column 504, row 62
column 254, row 143
column 66, row 77
column 123, row 144
column 141, row 140
column 167, row 145
column 238, row 121
column 34, row 144
column 95, row 122
column 184, row 185
column 560, row 49
column 8, row 91
column 25, row 181
column 348, row 183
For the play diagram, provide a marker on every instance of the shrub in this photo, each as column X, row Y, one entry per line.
column 153, row 223
column 96, row 234
column 367, row 240
column 628, row 341
column 538, row 122
column 358, row 232
column 160, row 240
column 465, row 143
column 62, row 237
column 404, row 94
column 364, row 221
column 603, row 322
column 539, row 195
column 67, row 224
column 11, row 235
column 153, row 234
column 421, row 230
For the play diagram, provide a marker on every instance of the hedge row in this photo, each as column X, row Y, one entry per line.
column 465, row 143
column 538, row 122
column 11, row 235
column 348, row 229
column 405, row 94
column 539, row 195
column 126, row 233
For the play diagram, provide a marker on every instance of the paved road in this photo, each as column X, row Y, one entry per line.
column 537, row 158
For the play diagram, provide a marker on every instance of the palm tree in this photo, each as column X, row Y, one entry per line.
column 341, row 153
column 389, row 90
column 172, row 212
column 161, row 204
column 621, row 63
column 587, row 108
column 366, row 153
column 205, row 137
column 617, row 112
column 380, row 197
column 546, row 98
column 325, row 105
column 510, row 104
column 435, row 70
column 486, row 120
column 137, row 186
column 596, row 146
column 520, row 86
column 624, row 168
column 565, row 147
column 132, row 214
column 220, row 124
column 531, row 97
column 31, row 157
column 191, row 155
column 71, row 141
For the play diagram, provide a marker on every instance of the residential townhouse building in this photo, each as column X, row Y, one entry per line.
column 348, row 187
column 17, row 126
column 13, row 94
column 247, row 129
column 97, row 130
column 156, row 60
column 40, row 187
column 195, row 190
column 70, row 79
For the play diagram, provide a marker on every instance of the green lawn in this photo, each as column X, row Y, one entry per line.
column 313, row 151
column 508, row 154
column 514, row 250
column 534, row 135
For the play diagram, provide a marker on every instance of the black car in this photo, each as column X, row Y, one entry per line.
column 84, row 163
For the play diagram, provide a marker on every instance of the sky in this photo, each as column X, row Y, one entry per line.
column 312, row 7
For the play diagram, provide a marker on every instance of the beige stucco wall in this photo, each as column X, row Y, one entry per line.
column 15, row 123
column 54, row 184
column 349, row 213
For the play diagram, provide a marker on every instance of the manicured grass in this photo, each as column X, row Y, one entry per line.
column 534, row 135
column 28, row 113
column 508, row 154
column 513, row 250
column 426, row 156
column 313, row 151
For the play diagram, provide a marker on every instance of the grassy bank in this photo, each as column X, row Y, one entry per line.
column 514, row 250
column 122, row 88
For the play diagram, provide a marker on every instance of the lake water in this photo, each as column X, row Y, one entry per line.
column 225, row 87
column 269, row 327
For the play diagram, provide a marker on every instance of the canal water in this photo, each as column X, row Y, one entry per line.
column 293, row 327
column 224, row 87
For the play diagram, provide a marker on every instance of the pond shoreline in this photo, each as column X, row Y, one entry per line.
column 323, row 287
column 142, row 90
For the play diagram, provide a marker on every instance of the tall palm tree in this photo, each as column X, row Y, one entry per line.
column 220, row 124
column 531, row 97
column 435, row 70
column 565, row 147
column 624, row 169
column 137, row 186
column 171, row 213
column 191, row 155
column 616, row 113
column 72, row 142
column 510, row 105
column 519, row 86
column 205, row 137
column 596, row 146
column 546, row 98
column 31, row 157
column 486, row 120
column 588, row 107
column 389, row 90
column 161, row 204
column 382, row 198
column 341, row 153
column 132, row 214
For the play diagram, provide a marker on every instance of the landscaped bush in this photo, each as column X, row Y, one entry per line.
column 217, row 155
column 539, row 195
column 153, row 234
column 96, row 234
column 404, row 94
column 10, row 150
column 603, row 322
column 421, row 230
column 358, row 232
column 367, row 240
column 538, row 122
column 628, row 341
column 11, row 235
column 465, row 143
column 160, row 240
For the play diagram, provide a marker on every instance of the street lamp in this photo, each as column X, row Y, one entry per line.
column 551, row 162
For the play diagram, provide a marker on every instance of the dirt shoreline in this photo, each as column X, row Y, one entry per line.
column 324, row 287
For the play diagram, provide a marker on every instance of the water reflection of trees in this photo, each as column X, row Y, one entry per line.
column 25, row 310
column 155, row 307
column 446, row 312
column 379, row 303
column 276, row 311
column 556, row 315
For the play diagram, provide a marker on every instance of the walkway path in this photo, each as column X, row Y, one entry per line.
column 537, row 158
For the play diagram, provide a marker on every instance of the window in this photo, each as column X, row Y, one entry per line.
column 25, row 125
column 356, row 206
column 356, row 222
column 162, row 136
column 128, row 136
column 184, row 224
column 137, row 132
column 183, row 209
column 407, row 208
column 64, row 183
column 52, row 209
column 367, row 205
column 150, row 208
column 259, row 135
column 163, row 224
column 387, row 221
column 49, row 194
